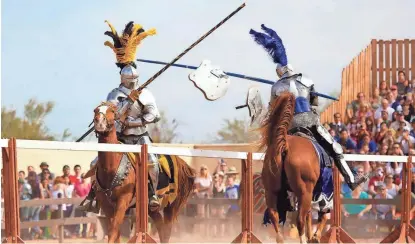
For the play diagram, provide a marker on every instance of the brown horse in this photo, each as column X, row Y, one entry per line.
column 114, row 202
column 292, row 164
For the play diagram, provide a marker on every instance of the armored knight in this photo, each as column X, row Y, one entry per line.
column 305, row 117
column 140, row 106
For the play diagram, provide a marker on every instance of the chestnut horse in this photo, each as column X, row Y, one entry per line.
column 115, row 202
column 292, row 164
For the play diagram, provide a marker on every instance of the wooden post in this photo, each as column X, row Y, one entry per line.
column 247, row 236
column 11, row 194
column 405, row 230
column 141, row 192
column 336, row 234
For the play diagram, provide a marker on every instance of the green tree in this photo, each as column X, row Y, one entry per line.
column 236, row 131
column 32, row 125
column 164, row 131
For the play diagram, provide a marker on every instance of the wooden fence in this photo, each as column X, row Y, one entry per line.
column 380, row 61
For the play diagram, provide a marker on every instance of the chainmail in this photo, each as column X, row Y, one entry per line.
column 306, row 119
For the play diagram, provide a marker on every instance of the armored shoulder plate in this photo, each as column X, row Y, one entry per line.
column 304, row 81
column 146, row 97
column 116, row 95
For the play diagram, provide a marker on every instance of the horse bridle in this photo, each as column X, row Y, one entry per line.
column 109, row 126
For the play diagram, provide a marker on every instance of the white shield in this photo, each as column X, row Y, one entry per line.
column 255, row 106
column 211, row 80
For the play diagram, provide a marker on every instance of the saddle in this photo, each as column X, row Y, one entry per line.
column 306, row 133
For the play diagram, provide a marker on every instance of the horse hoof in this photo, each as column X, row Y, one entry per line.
column 313, row 240
column 279, row 239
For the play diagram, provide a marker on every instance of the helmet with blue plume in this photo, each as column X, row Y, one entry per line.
column 272, row 43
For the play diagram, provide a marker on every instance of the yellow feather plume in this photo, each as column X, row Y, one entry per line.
column 127, row 52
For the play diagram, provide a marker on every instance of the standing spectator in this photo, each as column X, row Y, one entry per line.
column 58, row 191
column 203, row 188
column 232, row 192
column 383, row 89
column 384, row 106
column 69, row 192
column 391, row 188
column 81, row 190
column 376, row 180
column 34, row 211
column 45, row 166
column 383, row 211
column 356, row 103
column 44, row 214
column 222, row 166
column 376, row 99
column 218, row 211
column 22, row 175
column 66, row 170
column 337, row 125
column 25, row 193
column 402, row 84
column 76, row 178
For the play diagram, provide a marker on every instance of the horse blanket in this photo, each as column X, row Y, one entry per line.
column 168, row 178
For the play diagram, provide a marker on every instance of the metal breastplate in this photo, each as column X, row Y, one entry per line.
column 135, row 111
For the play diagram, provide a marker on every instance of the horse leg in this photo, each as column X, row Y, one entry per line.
column 158, row 221
column 168, row 223
column 309, row 226
column 304, row 207
column 322, row 220
column 114, row 229
column 271, row 200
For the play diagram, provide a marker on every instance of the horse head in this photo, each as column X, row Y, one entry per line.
column 104, row 117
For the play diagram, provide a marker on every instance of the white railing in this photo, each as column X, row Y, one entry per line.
column 82, row 146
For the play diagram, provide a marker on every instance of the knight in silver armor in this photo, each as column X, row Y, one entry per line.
column 305, row 116
column 140, row 106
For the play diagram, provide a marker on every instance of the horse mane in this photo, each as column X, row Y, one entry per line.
column 275, row 126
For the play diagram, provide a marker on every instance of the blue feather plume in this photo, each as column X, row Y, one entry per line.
column 272, row 43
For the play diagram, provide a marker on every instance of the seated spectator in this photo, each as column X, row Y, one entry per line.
column 386, row 108
column 370, row 127
column 380, row 135
column 383, row 88
column 398, row 102
column 391, row 188
column 393, row 168
column 346, row 142
column 376, row 180
column 412, row 133
column 352, row 128
column 337, row 125
column 399, row 118
column 363, row 111
column 384, row 211
column 407, row 114
column 402, row 84
column 406, row 141
column 366, row 140
column 392, row 95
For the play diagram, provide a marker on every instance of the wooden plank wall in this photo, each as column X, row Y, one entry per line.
column 389, row 57
column 380, row 61
column 355, row 78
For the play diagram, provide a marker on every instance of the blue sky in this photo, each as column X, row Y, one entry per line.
column 53, row 50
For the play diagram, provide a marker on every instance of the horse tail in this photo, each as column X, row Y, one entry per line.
column 186, row 177
column 275, row 127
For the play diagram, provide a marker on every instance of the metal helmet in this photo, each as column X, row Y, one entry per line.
column 129, row 77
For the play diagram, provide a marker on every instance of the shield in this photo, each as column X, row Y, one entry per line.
column 211, row 80
column 254, row 104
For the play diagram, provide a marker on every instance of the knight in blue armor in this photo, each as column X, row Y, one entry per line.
column 305, row 117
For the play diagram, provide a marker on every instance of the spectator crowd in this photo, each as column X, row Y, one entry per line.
column 46, row 185
column 383, row 124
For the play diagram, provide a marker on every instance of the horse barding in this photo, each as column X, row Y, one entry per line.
column 115, row 175
column 296, row 173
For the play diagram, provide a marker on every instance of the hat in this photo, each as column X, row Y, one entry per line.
column 394, row 87
column 232, row 170
column 44, row 164
column 399, row 109
column 406, row 128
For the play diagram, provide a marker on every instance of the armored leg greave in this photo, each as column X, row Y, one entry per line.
column 335, row 151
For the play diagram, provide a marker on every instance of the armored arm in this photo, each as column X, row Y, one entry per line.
column 118, row 98
column 150, row 114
